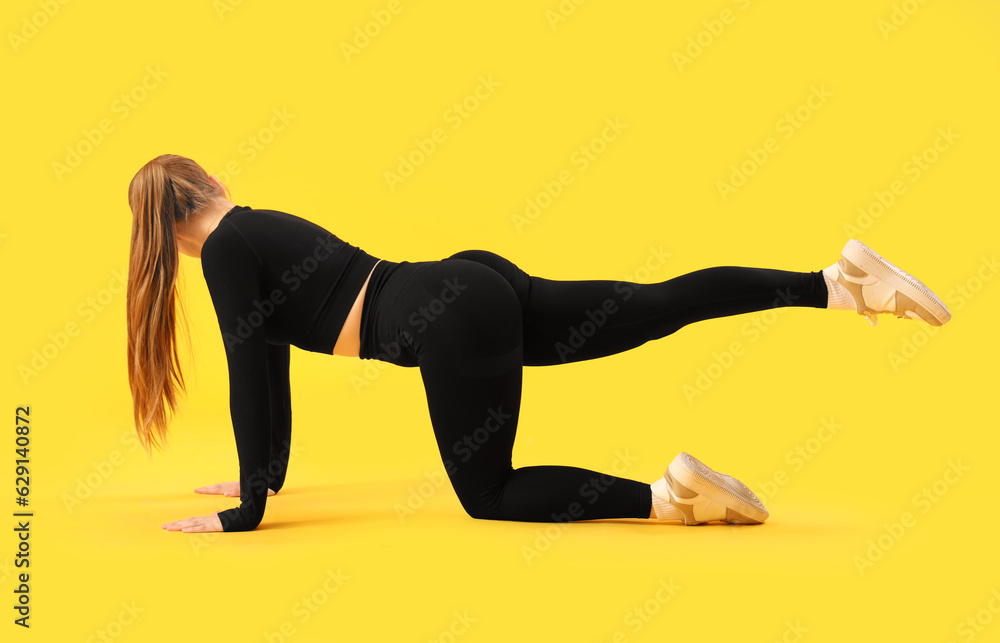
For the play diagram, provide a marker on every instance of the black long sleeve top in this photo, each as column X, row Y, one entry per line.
column 275, row 280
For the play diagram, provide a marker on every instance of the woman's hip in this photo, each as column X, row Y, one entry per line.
column 456, row 303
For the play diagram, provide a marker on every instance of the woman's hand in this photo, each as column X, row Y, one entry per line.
column 225, row 489
column 203, row 523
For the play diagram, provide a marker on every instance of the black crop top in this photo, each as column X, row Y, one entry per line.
column 275, row 279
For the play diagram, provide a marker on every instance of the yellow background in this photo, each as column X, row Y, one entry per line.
column 98, row 545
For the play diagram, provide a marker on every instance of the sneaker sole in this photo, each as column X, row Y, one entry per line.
column 875, row 264
column 695, row 476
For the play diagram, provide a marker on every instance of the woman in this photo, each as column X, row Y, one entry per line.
column 470, row 322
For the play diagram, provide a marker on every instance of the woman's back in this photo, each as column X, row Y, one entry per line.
column 281, row 274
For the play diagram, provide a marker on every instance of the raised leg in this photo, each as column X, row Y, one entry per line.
column 571, row 321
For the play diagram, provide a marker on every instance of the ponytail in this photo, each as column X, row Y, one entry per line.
column 165, row 191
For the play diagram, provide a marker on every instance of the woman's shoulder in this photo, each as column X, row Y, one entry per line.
column 266, row 221
column 246, row 225
column 227, row 237
column 228, row 246
column 262, row 232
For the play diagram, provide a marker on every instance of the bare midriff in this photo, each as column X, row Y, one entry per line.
column 349, row 341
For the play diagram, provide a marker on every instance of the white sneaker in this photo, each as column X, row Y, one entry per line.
column 703, row 495
column 877, row 286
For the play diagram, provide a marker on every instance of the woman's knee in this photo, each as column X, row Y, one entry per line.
column 477, row 507
column 480, row 511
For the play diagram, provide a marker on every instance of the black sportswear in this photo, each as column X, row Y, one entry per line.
column 470, row 322
column 275, row 279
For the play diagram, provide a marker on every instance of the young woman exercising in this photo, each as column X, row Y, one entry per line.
column 469, row 322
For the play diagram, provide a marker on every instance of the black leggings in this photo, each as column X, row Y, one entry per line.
column 472, row 321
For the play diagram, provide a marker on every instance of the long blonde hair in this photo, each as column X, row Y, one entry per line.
column 165, row 191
